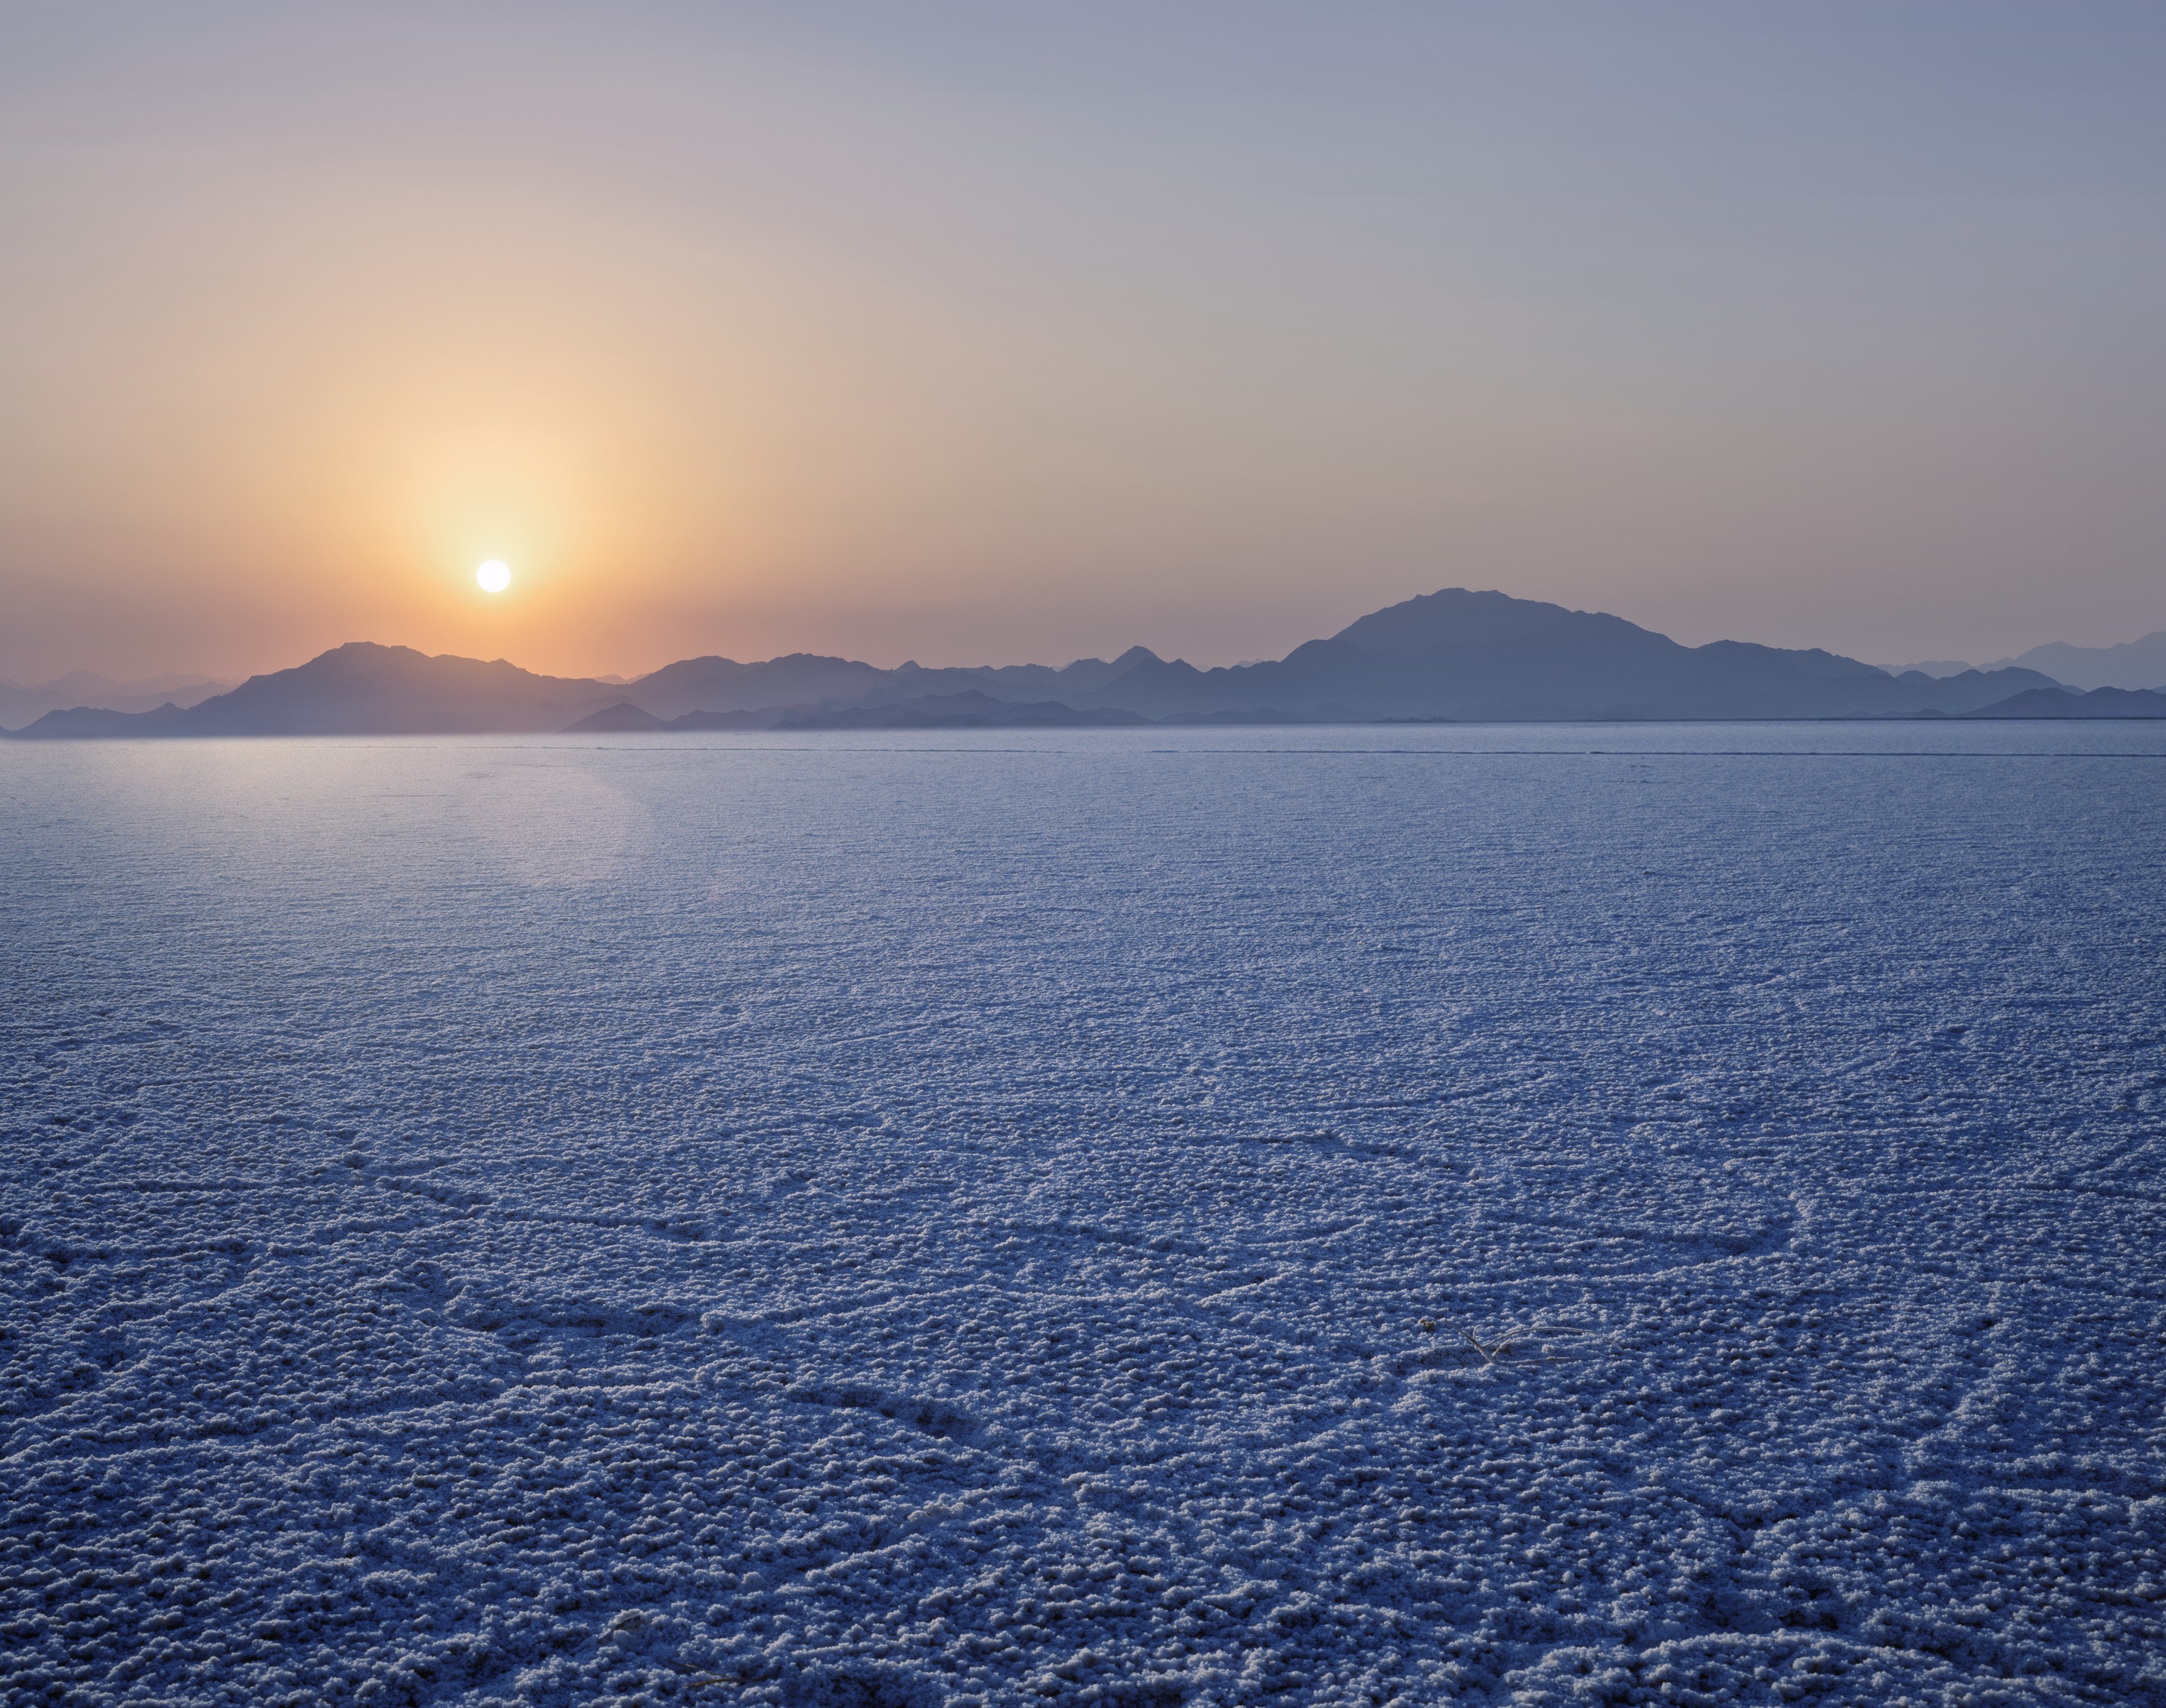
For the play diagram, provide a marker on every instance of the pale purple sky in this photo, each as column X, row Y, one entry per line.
column 987, row 332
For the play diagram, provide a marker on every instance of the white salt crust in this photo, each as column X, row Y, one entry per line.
column 1137, row 1218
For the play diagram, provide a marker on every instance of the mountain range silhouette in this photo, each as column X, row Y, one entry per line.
column 1450, row 655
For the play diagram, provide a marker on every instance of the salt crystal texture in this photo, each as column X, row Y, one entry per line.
column 1352, row 1216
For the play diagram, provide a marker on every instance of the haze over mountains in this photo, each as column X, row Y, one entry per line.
column 2139, row 664
column 20, row 703
column 1453, row 655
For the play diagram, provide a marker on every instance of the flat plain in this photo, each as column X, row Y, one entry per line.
column 1540, row 1215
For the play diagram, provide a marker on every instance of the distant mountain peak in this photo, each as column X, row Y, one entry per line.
column 86, row 691
column 1457, row 619
column 2139, row 664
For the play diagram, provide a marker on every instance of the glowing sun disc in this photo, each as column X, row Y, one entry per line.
column 494, row 577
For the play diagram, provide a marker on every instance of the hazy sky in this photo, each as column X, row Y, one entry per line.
column 975, row 333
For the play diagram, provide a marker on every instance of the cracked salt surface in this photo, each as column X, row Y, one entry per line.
column 1117, row 1217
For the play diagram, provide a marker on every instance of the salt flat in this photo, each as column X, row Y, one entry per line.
column 1217, row 1217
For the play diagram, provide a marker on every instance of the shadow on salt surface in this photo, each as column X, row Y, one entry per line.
column 856, row 1687
column 862, row 1687
column 520, row 1321
column 930, row 1417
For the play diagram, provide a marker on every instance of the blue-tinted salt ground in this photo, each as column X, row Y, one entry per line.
column 1236, row 1217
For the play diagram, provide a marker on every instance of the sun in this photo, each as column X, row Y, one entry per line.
column 494, row 576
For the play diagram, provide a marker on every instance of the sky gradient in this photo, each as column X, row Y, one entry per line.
column 1002, row 331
